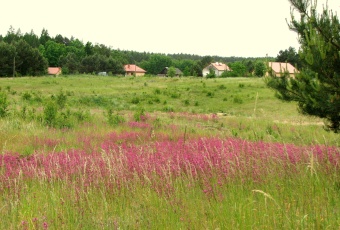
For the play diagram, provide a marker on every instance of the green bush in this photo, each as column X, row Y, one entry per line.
column 211, row 74
column 238, row 100
column 114, row 119
column 82, row 116
column 175, row 95
column 26, row 96
column 210, row 94
column 135, row 100
column 157, row 91
column 186, row 102
column 50, row 114
column 222, row 87
column 139, row 115
column 61, row 99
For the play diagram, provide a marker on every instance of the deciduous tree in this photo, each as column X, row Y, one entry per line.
column 291, row 56
column 260, row 69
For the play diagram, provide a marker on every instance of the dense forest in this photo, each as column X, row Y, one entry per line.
column 29, row 55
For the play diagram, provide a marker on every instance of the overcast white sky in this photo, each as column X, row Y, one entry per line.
column 244, row 28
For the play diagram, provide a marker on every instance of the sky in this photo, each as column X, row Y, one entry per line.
column 242, row 28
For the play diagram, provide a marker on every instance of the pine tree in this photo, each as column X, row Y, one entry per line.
column 317, row 88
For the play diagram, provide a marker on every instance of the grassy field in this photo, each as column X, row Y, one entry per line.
column 89, row 152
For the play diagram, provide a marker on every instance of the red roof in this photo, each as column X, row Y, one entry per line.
column 220, row 66
column 54, row 70
column 133, row 68
column 281, row 67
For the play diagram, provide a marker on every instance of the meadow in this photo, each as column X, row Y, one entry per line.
column 90, row 152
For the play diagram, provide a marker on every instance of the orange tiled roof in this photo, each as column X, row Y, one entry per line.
column 220, row 66
column 281, row 67
column 133, row 68
column 54, row 70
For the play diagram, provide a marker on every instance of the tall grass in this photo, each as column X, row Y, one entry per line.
column 158, row 153
column 139, row 180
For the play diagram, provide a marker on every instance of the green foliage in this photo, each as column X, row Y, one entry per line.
column 7, row 54
column 139, row 115
column 3, row 104
column 291, row 56
column 53, row 52
column 171, row 71
column 317, row 88
column 75, row 57
column 27, row 96
column 156, row 63
column 157, row 91
column 186, row 102
column 222, row 87
column 226, row 74
column 237, row 100
column 175, row 95
column 135, row 100
column 61, row 99
column 114, row 119
column 238, row 69
column 50, row 113
column 28, row 60
column 93, row 100
column 211, row 73
column 12, row 35
column 260, row 69
column 70, row 64
column 168, row 109
column 210, row 94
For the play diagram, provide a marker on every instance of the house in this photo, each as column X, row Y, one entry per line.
column 164, row 72
column 54, row 71
column 218, row 67
column 279, row 68
column 133, row 70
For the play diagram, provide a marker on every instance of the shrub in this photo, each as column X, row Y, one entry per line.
column 135, row 100
column 50, row 114
column 175, row 95
column 61, row 99
column 238, row 100
column 81, row 115
column 222, row 87
column 210, row 94
column 211, row 74
column 114, row 119
column 139, row 115
column 171, row 71
column 26, row 96
column 157, row 91
column 64, row 120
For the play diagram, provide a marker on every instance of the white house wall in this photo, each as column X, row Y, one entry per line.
column 205, row 72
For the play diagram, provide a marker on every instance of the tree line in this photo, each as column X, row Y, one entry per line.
column 29, row 55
